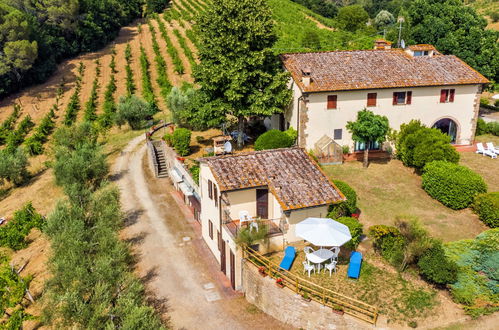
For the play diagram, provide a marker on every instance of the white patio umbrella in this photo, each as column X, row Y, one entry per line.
column 323, row 232
column 496, row 97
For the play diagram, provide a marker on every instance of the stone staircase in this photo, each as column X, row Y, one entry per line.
column 162, row 169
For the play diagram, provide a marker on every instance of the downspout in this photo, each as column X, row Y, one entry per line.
column 300, row 99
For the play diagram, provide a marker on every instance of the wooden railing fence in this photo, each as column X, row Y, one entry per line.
column 314, row 291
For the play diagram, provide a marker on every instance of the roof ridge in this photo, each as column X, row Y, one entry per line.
column 247, row 153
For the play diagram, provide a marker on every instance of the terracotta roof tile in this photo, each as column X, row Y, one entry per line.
column 370, row 69
column 422, row 47
column 290, row 174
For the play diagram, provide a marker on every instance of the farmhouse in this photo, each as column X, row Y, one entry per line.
column 272, row 188
column 418, row 82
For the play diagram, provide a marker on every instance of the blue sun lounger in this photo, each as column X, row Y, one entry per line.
column 355, row 263
column 289, row 257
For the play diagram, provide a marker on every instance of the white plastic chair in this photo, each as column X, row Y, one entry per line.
column 243, row 217
column 481, row 150
column 308, row 250
column 308, row 268
column 330, row 267
column 491, row 147
column 253, row 225
column 336, row 251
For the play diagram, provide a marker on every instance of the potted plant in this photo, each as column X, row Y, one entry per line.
column 262, row 271
column 279, row 283
column 338, row 309
column 306, row 297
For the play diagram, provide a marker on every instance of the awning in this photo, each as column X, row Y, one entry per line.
column 176, row 175
column 186, row 190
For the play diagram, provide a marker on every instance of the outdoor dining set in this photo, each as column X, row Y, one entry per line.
column 322, row 232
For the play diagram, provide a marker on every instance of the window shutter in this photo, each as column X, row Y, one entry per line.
column 215, row 195
column 395, row 98
column 371, row 99
column 443, row 95
column 408, row 100
column 451, row 95
column 210, row 189
column 331, row 101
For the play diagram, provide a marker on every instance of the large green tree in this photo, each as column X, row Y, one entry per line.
column 456, row 29
column 238, row 70
column 368, row 128
column 352, row 18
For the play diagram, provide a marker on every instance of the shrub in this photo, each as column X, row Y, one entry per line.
column 355, row 230
column 168, row 139
column 347, row 207
column 418, row 145
column 345, row 149
column 487, row 208
column 436, row 267
column 292, row 133
column 493, row 128
column 181, row 141
column 494, row 16
column 273, row 139
column 13, row 166
column 453, row 185
column 389, row 242
column 484, row 101
column 134, row 111
column 481, row 127
column 195, row 173
column 13, row 234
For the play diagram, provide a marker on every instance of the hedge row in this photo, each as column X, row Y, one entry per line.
column 147, row 90
column 172, row 51
column 196, row 5
column 187, row 51
column 8, row 124
column 483, row 127
column 13, row 234
column 74, row 102
column 180, row 140
column 347, row 207
column 192, row 37
column 192, row 12
column 109, row 107
column 34, row 144
column 162, row 80
column 91, row 105
column 487, row 208
column 16, row 138
column 453, row 185
column 130, row 84
column 184, row 13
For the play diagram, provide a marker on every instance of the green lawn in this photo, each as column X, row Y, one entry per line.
column 487, row 167
column 396, row 298
column 387, row 189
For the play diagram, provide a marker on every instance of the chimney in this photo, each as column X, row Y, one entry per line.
column 382, row 44
column 306, row 76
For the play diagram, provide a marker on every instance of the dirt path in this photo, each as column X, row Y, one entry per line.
column 177, row 270
column 319, row 24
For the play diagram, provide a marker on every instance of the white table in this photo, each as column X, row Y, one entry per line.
column 320, row 256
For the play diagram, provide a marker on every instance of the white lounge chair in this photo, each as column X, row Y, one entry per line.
column 308, row 268
column 330, row 267
column 491, row 147
column 481, row 150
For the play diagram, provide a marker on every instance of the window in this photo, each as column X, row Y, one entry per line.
column 421, row 53
column 447, row 95
column 371, row 99
column 402, row 98
column 360, row 146
column 331, row 101
column 215, row 195
column 210, row 189
column 219, row 243
column 338, row 133
column 210, row 229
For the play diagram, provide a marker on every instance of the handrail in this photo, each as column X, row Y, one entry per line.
column 316, row 292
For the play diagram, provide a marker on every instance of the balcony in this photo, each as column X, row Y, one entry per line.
column 274, row 226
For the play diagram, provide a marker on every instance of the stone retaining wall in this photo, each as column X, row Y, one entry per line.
column 290, row 308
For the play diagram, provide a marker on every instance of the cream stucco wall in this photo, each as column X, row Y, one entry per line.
column 296, row 216
column 425, row 106
column 208, row 210
column 245, row 200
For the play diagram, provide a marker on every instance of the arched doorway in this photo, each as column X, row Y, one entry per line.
column 447, row 126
